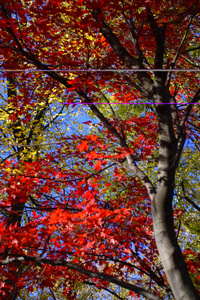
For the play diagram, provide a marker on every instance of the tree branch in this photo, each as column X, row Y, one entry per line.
column 130, row 61
column 84, row 271
column 187, row 198
column 159, row 33
column 106, row 289
column 182, row 130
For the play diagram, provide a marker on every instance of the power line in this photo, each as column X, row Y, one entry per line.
column 137, row 103
column 99, row 70
column 108, row 70
column 31, row 145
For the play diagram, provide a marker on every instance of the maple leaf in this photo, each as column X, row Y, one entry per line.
column 83, row 146
column 62, row 221
column 92, row 137
column 97, row 166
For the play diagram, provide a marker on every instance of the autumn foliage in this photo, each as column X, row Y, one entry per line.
column 100, row 195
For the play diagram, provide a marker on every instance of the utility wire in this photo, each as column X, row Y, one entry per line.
column 137, row 103
column 100, row 70
column 108, row 70
column 31, row 145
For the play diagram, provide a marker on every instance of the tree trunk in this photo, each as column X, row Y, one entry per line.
column 169, row 250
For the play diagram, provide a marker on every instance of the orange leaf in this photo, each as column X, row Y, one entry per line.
column 97, row 166
column 83, row 146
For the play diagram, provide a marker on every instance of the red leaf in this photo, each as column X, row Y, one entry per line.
column 97, row 166
column 83, row 146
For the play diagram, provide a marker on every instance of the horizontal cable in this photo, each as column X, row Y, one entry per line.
column 100, row 70
column 31, row 145
column 137, row 103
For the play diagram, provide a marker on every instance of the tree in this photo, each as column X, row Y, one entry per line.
column 85, row 209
